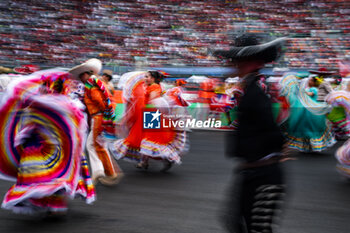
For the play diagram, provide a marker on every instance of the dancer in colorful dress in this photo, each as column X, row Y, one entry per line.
column 338, row 117
column 101, row 112
column 342, row 99
column 166, row 144
column 139, row 144
column 340, row 114
column 42, row 146
column 306, row 128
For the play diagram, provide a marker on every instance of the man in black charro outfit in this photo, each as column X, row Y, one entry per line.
column 258, row 143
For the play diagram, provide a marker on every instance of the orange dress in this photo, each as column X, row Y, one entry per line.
column 161, row 143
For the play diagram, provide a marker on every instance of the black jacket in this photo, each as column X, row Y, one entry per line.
column 257, row 134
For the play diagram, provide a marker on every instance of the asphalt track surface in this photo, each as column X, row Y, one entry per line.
column 190, row 198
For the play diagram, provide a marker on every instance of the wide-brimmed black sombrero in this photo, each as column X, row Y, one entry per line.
column 247, row 47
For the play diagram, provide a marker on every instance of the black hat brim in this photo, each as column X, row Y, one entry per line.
column 267, row 52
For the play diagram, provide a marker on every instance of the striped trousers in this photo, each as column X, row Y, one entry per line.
column 254, row 203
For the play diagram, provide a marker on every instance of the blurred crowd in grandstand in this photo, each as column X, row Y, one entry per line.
column 158, row 33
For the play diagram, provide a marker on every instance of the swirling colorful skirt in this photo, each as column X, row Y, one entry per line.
column 343, row 157
column 41, row 148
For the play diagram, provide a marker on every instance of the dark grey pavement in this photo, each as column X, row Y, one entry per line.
column 189, row 198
